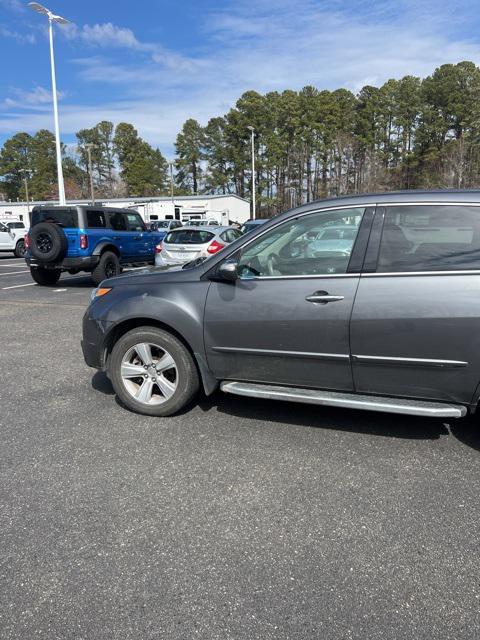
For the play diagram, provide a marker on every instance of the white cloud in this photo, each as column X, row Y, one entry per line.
column 36, row 97
column 104, row 35
column 21, row 38
column 12, row 5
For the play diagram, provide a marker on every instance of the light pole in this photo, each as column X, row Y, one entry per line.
column 59, row 20
column 27, row 174
column 89, row 146
column 252, row 131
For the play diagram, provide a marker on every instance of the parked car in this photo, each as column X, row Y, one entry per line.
column 251, row 225
column 12, row 239
column 15, row 224
column 191, row 243
column 164, row 225
column 392, row 326
column 98, row 240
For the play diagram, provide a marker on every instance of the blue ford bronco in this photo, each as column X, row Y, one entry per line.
column 95, row 239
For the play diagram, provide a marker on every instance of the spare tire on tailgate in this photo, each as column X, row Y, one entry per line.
column 48, row 242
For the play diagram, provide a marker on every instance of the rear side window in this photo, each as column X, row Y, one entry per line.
column 134, row 222
column 118, row 221
column 189, row 236
column 67, row 218
column 230, row 235
column 96, row 219
column 430, row 238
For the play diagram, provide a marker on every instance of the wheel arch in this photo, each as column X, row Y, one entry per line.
column 106, row 246
column 209, row 382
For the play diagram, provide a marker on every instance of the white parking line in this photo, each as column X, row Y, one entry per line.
column 13, row 273
column 15, row 264
column 17, row 286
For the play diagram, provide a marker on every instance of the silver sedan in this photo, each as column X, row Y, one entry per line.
column 190, row 243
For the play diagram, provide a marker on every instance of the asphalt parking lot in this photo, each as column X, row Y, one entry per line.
column 237, row 519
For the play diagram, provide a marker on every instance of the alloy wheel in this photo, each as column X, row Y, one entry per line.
column 149, row 374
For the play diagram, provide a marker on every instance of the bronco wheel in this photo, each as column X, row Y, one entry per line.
column 45, row 277
column 20, row 249
column 152, row 372
column 108, row 266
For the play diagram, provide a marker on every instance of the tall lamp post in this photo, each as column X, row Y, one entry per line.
column 59, row 20
column 252, row 131
column 27, row 174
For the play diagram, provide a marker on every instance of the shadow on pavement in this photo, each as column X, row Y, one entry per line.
column 466, row 430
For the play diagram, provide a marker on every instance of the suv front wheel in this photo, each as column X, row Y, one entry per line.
column 45, row 277
column 108, row 266
column 152, row 372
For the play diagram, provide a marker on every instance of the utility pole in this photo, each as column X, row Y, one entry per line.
column 170, row 164
column 89, row 146
column 252, row 130
column 27, row 174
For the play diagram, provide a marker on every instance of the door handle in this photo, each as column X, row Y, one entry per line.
column 323, row 297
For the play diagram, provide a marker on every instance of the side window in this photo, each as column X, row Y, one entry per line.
column 96, row 219
column 134, row 222
column 118, row 221
column 430, row 238
column 298, row 247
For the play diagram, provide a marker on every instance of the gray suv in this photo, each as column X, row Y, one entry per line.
column 386, row 318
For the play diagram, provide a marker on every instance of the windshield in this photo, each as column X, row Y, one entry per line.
column 189, row 236
column 16, row 225
column 162, row 224
column 62, row 217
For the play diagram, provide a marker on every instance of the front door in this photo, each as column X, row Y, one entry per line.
column 286, row 319
column 6, row 238
column 415, row 328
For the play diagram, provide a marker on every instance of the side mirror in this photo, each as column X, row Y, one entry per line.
column 228, row 271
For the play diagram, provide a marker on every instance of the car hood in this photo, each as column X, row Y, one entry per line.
column 153, row 275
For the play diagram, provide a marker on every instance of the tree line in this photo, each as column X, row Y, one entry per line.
column 408, row 133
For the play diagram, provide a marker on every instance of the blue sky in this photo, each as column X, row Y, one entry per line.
column 155, row 63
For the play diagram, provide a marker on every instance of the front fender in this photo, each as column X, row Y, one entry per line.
column 178, row 307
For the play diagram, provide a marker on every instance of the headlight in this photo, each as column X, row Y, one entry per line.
column 99, row 292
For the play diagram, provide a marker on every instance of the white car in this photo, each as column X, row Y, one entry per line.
column 12, row 238
column 190, row 243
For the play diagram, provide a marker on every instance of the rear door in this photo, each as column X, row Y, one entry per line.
column 415, row 328
column 286, row 319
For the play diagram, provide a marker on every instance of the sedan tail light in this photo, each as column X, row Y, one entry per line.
column 215, row 247
column 159, row 247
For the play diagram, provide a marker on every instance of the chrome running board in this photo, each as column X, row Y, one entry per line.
column 345, row 400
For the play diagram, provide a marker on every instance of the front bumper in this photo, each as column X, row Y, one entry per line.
column 93, row 341
column 84, row 263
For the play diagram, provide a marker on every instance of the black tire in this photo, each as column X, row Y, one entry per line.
column 186, row 375
column 45, row 277
column 20, row 249
column 108, row 266
column 48, row 242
